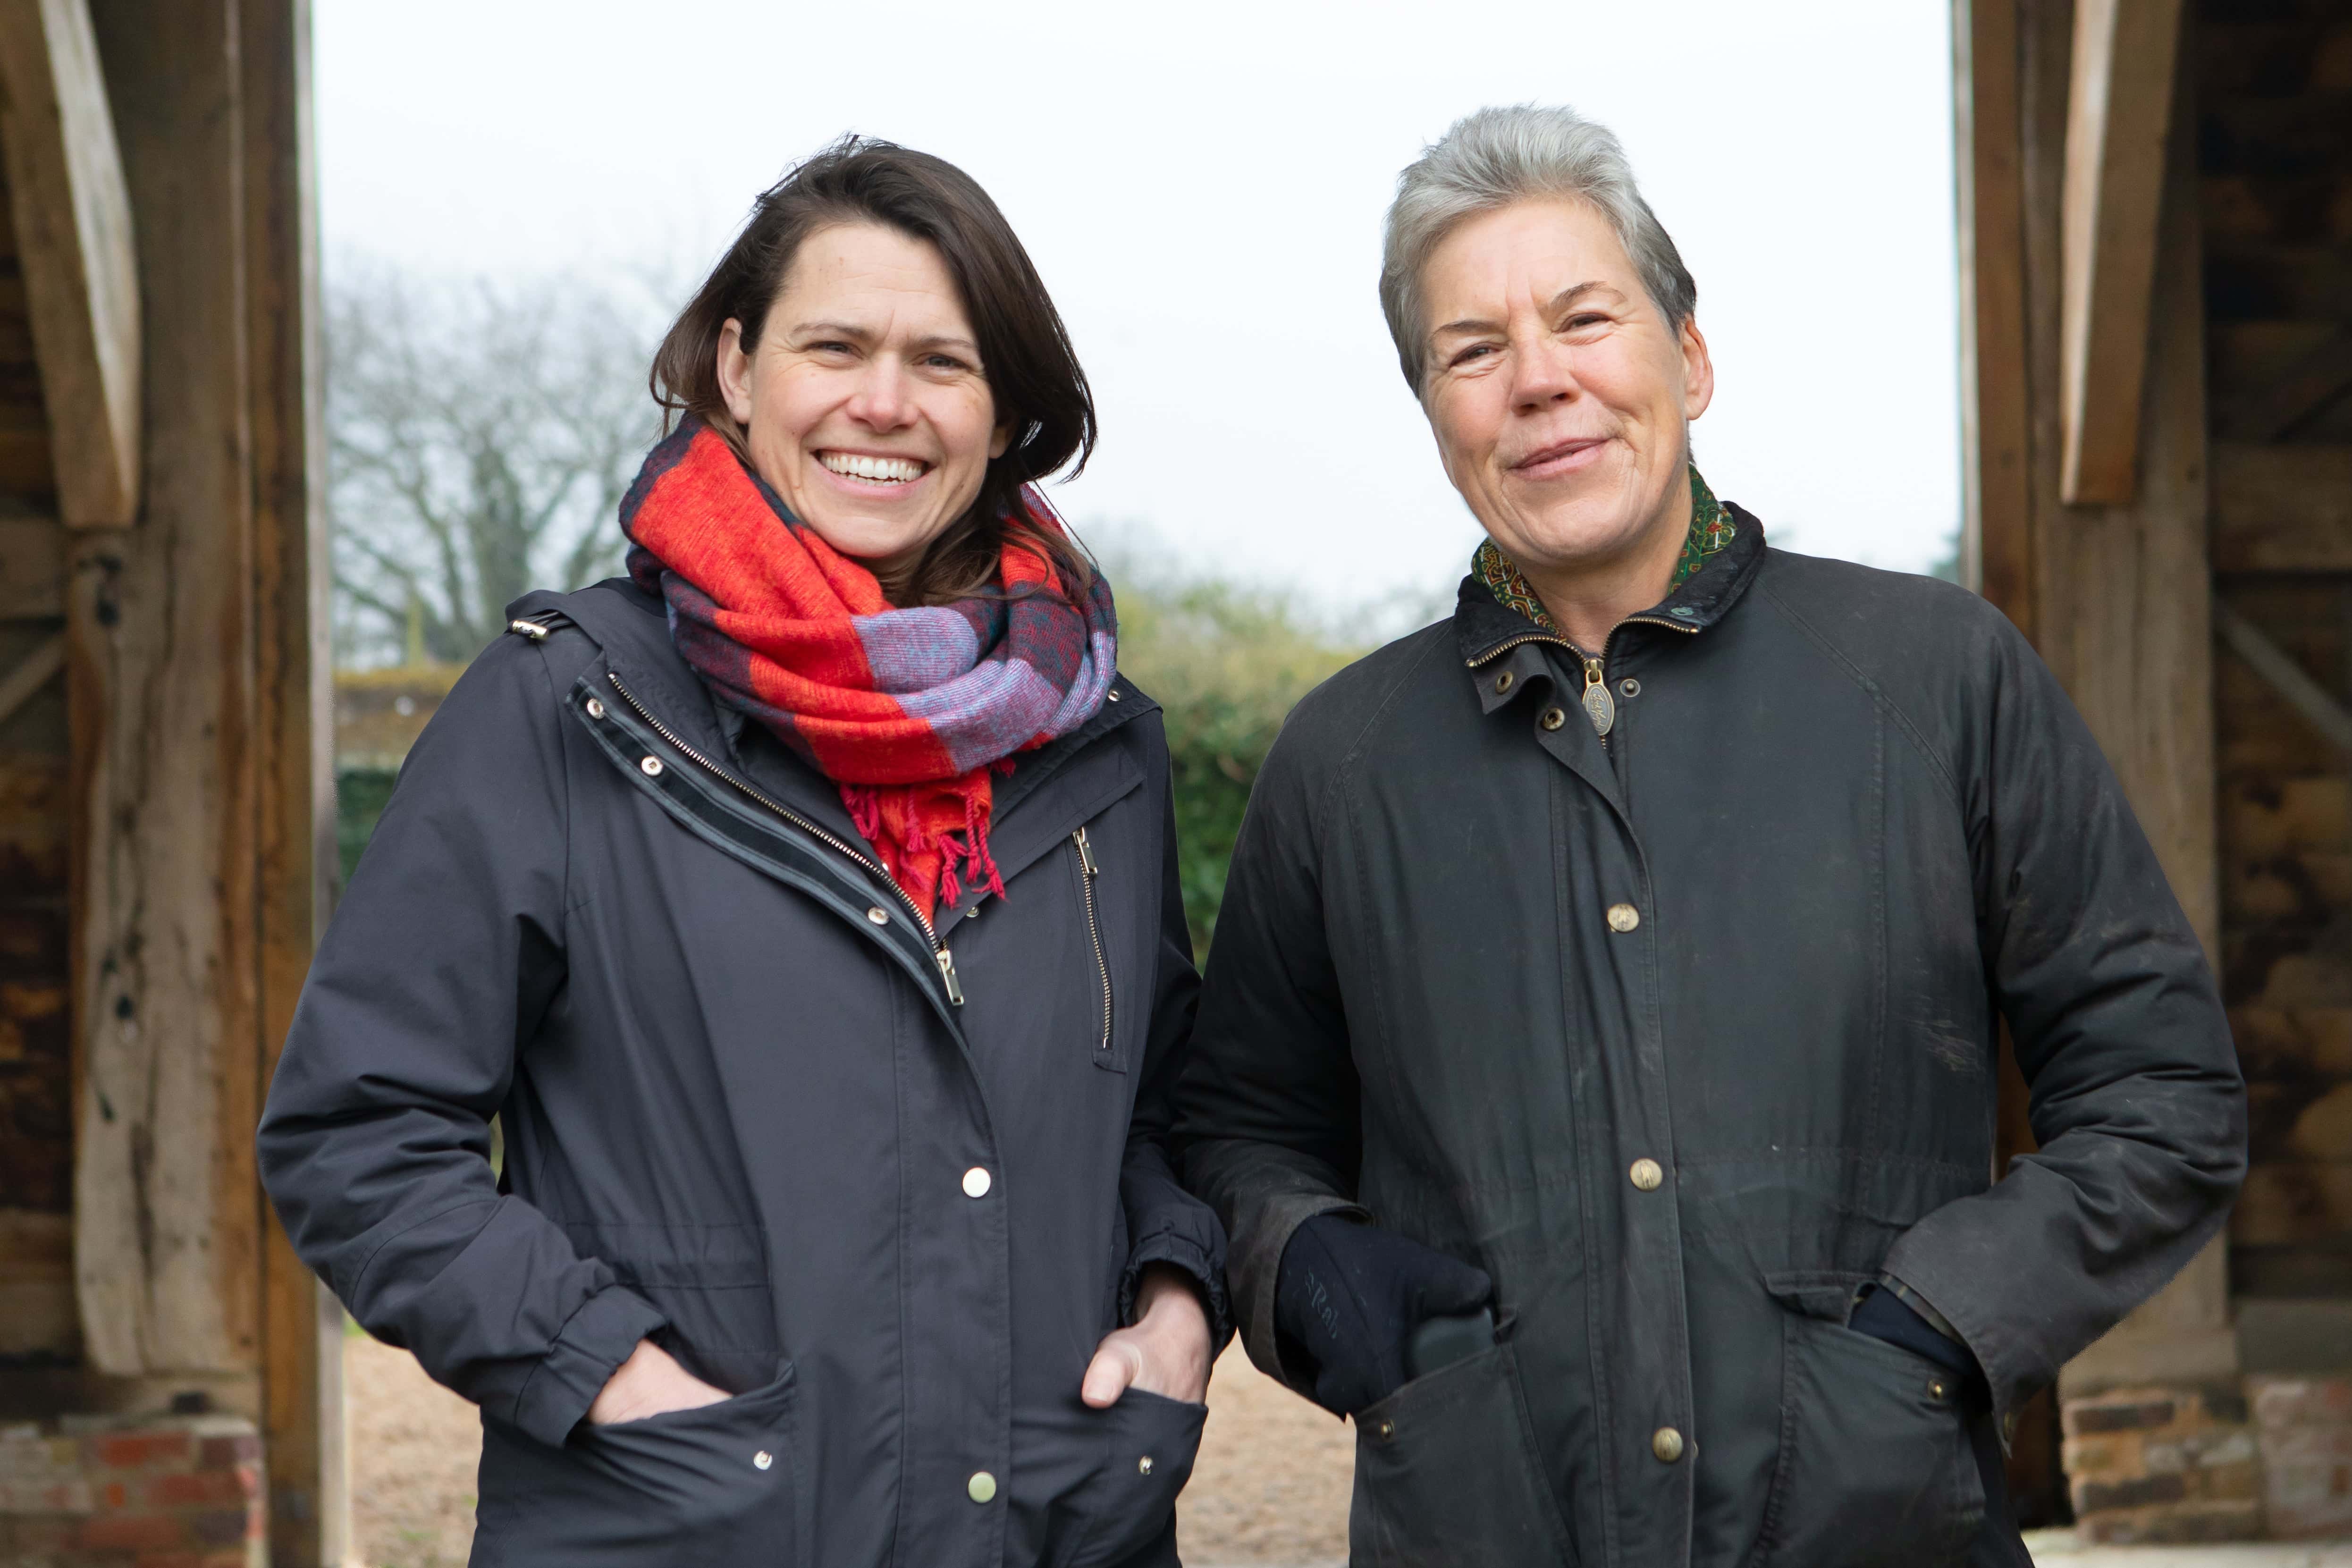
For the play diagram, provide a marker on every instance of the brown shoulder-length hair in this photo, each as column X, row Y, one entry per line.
column 1024, row 349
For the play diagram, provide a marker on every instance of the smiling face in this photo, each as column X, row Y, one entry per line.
column 1559, row 396
column 863, row 402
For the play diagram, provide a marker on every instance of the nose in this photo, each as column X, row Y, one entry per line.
column 1543, row 372
column 883, row 400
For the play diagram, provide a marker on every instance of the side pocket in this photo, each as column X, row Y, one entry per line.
column 1446, row 1475
column 677, row 1490
column 1131, row 1501
column 1876, row 1470
column 1105, row 1052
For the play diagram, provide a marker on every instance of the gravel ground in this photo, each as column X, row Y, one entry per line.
column 1270, row 1489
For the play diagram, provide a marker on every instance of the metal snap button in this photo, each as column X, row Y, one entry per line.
column 650, row 767
column 1143, row 1465
column 1384, row 1429
column 878, row 915
column 1936, row 1389
column 1666, row 1443
column 1624, row 917
column 1629, row 687
column 762, row 1459
column 1684, row 613
column 1553, row 719
column 1504, row 681
column 981, row 1487
column 976, row 1183
column 1114, row 695
column 1648, row 1174
column 595, row 709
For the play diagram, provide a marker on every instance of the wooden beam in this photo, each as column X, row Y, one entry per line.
column 160, row 707
column 32, row 569
column 30, row 673
column 2118, row 110
column 1996, row 535
column 78, row 252
column 303, row 1360
column 2306, row 387
column 2289, row 680
column 2282, row 508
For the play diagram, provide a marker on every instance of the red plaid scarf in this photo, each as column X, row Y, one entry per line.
column 907, row 711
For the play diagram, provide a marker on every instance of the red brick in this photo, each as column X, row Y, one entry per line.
column 137, row 1450
column 2085, row 1417
column 135, row 1533
column 114, row 1495
column 201, row 1488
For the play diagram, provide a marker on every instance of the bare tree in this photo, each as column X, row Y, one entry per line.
column 479, row 438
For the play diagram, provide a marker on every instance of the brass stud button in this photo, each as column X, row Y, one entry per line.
column 1384, row 1429
column 1553, row 718
column 1113, row 695
column 1648, row 1174
column 1143, row 1465
column 981, row 1487
column 1938, row 1389
column 595, row 709
column 651, row 767
column 1504, row 682
column 1666, row 1443
column 1629, row 687
column 1624, row 917
column 762, row 1459
column 878, row 915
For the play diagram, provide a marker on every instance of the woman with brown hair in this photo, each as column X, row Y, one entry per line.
column 804, row 907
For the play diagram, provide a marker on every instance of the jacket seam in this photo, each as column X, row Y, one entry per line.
column 492, row 1203
column 1877, row 693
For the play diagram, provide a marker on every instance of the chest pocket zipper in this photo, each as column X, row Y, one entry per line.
column 1087, row 872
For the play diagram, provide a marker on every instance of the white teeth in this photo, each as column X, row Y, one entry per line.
column 859, row 466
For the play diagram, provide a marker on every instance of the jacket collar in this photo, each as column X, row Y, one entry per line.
column 1483, row 628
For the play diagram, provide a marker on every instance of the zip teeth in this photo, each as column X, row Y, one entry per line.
column 938, row 949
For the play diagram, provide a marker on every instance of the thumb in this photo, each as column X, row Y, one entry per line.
column 1454, row 1287
column 1115, row 1365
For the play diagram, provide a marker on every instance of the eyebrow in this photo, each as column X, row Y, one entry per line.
column 865, row 334
column 1559, row 301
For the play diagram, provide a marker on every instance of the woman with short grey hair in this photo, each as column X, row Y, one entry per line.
column 1596, row 1073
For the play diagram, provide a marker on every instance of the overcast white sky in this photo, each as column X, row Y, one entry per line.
column 1201, row 187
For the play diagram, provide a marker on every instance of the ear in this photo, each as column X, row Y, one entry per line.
column 1000, row 442
column 1698, row 370
column 735, row 373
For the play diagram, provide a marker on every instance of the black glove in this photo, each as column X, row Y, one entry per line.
column 1348, row 1298
column 1883, row 1315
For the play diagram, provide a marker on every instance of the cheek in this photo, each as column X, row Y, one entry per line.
column 965, row 422
column 788, row 400
column 1465, row 425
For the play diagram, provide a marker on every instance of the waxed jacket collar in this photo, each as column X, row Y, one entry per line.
column 1484, row 628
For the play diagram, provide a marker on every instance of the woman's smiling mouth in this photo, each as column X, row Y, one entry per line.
column 1560, row 458
column 870, row 470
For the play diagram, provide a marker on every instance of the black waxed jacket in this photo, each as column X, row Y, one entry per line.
column 1684, row 1038
column 747, row 1114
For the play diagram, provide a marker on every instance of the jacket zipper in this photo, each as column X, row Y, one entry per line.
column 1088, row 871
column 939, row 954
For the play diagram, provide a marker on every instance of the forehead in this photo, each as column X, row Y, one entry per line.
column 1527, row 252
column 871, row 266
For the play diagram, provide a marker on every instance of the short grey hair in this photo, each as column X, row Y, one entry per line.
column 1497, row 156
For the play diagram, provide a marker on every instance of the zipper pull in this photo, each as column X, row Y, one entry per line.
column 1085, row 853
column 946, row 973
column 1598, row 705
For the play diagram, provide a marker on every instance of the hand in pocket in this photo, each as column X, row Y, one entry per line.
column 650, row 1383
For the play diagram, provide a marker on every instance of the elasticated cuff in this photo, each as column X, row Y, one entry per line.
column 1179, row 1252
column 593, row 1342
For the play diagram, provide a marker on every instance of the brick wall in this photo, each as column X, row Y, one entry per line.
column 2163, row 1465
column 144, row 1492
column 2304, row 1424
